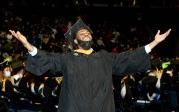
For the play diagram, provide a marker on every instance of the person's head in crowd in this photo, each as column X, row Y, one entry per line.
column 80, row 34
column 7, row 71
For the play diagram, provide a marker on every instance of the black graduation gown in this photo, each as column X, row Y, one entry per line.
column 87, row 84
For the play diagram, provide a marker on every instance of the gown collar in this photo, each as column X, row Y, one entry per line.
column 82, row 51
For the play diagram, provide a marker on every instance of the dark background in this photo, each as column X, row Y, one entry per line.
column 157, row 14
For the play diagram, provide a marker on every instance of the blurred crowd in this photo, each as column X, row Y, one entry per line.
column 156, row 90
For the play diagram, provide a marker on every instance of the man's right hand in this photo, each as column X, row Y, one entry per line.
column 22, row 39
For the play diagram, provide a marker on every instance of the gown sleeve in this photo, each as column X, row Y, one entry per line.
column 131, row 62
column 44, row 61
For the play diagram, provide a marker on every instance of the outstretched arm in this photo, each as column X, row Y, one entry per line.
column 23, row 40
column 137, row 60
column 158, row 38
column 39, row 62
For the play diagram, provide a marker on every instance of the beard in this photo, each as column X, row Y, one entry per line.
column 86, row 45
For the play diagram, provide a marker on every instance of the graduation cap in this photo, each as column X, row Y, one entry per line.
column 71, row 33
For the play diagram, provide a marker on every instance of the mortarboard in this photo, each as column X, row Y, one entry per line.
column 71, row 33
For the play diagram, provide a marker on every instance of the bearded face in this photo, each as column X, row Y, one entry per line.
column 84, row 39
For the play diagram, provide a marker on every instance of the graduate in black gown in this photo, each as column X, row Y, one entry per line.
column 87, row 83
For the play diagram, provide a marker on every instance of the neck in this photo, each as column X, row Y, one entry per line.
column 81, row 48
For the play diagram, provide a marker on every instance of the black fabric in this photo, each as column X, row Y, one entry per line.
column 3, row 107
column 87, row 82
column 149, row 84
